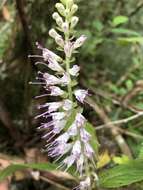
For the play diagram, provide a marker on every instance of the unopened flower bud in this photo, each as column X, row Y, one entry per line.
column 53, row 33
column 55, row 15
column 74, row 8
column 65, row 27
column 59, row 21
column 60, row 8
column 74, row 21
column 79, row 42
column 59, row 41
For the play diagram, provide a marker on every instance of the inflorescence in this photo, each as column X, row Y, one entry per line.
column 72, row 144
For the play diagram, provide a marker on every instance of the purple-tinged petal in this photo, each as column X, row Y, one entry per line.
column 80, row 94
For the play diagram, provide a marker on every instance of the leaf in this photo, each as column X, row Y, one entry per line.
column 122, row 175
column 119, row 20
column 140, row 155
column 124, row 31
column 132, row 39
column 71, row 119
column 98, row 25
column 94, row 141
column 120, row 160
column 129, row 84
column 16, row 167
column 104, row 159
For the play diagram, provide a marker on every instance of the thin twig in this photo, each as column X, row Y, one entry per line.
column 117, row 122
column 59, row 186
column 136, row 136
column 136, row 10
column 115, row 133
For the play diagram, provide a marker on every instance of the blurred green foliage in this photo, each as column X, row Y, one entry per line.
column 111, row 60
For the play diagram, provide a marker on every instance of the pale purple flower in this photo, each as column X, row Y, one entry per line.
column 58, row 150
column 88, row 150
column 59, row 126
column 80, row 94
column 84, row 185
column 65, row 80
column 67, row 105
column 51, row 79
column 68, row 48
column 52, row 106
column 69, row 161
column 48, row 54
column 80, row 41
column 76, row 150
column 80, row 164
column 85, row 136
column 58, row 115
column 80, row 120
column 72, row 131
column 74, row 71
column 63, row 138
column 56, row 91
column 54, row 65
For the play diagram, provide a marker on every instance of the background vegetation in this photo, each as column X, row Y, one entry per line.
column 111, row 68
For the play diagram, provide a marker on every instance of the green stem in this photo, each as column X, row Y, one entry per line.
column 67, row 62
column 69, row 85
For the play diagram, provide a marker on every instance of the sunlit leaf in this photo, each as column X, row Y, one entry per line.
column 104, row 159
column 122, row 175
column 119, row 20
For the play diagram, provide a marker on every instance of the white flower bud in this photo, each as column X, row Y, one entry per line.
column 59, row 41
column 53, row 33
column 59, row 21
column 60, row 8
column 55, row 15
column 74, row 21
column 74, row 8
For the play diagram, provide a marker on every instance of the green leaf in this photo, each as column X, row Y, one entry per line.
column 71, row 119
column 15, row 167
column 132, row 39
column 119, row 20
column 140, row 155
column 124, row 31
column 94, row 141
column 122, row 175
column 98, row 25
column 129, row 84
column 120, row 159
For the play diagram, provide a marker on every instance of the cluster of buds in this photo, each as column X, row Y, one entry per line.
column 72, row 143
